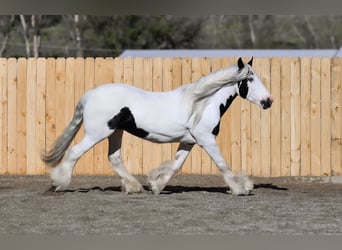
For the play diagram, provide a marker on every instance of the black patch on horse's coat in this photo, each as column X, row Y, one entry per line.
column 216, row 130
column 243, row 88
column 223, row 109
column 125, row 120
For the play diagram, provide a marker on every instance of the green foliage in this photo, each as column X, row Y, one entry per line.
column 110, row 35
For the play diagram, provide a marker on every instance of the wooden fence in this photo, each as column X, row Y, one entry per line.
column 299, row 136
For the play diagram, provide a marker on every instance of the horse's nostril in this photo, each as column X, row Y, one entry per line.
column 267, row 103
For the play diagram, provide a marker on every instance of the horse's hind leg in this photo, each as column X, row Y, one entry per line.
column 61, row 174
column 159, row 177
column 129, row 183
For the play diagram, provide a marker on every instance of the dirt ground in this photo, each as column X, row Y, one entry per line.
column 189, row 205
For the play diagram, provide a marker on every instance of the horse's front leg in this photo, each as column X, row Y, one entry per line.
column 159, row 177
column 238, row 184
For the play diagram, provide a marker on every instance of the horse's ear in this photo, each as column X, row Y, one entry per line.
column 251, row 61
column 240, row 64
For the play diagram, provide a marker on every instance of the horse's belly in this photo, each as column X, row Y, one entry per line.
column 167, row 138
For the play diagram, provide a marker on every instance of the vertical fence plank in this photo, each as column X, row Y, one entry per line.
column 226, row 123
column 196, row 69
column 3, row 115
column 167, row 86
column 40, row 114
column 285, row 116
column 315, row 117
column 216, row 64
column 98, row 148
column 108, row 77
column 147, row 146
column 265, row 72
column 119, row 78
column 12, row 116
column 79, row 77
column 60, row 92
column 305, row 106
column 176, row 82
column 69, row 94
column 69, row 88
column 256, row 130
column 246, row 156
column 138, row 81
column 295, row 117
column 127, row 138
column 336, row 116
column 325, row 117
column 186, row 78
column 157, row 85
column 276, row 117
column 89, row 83
column 205, row 158
column 51, row 96
column 234, row 121
column 22, row 151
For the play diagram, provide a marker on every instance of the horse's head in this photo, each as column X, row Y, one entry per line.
column 251, row 87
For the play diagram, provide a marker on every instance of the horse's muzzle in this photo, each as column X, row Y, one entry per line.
column 267, row 103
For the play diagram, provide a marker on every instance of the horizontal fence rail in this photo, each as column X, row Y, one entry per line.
column 299, row 136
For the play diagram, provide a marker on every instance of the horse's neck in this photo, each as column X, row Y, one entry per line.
column 223, row 98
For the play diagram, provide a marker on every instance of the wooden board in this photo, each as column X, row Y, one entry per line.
column 256, row 129
column 285, row 117
column 205, row 158
column 196, row 153
column 305, row 106
column 336, row 117
column 226, row 123
column 40, row 115
column 147, row 146
column 138, row 81
column 275, row 170
column 26, row 112
column 88, row 166
column 187, row 78
column 166, row 148
column 79, row 78
column 265, row 136
column 50, row 106
column 176, row 82
column 3, row 115
column 315, row 117
column 325, row 117
column 12, row 116
column 295, row 117
column 216, row 64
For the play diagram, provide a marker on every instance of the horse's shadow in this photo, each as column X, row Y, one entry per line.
column 170, row 189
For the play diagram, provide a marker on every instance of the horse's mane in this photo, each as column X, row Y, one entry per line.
column 196, row 95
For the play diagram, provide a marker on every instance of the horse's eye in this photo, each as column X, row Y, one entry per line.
column 250, row 79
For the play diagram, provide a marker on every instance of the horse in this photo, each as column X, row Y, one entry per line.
column 189, row 114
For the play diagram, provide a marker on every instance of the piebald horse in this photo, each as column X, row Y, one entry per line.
column 189, row 114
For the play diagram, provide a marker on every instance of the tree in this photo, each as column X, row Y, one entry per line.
column 6, row 27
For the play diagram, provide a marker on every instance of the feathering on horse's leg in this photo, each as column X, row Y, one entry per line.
column 159, row 177
column 238, row 184
column 61, row 175
column 129, row 184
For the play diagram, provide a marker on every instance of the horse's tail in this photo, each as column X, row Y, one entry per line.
column 55, row 155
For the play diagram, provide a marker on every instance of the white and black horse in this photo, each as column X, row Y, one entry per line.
column 189, row 115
